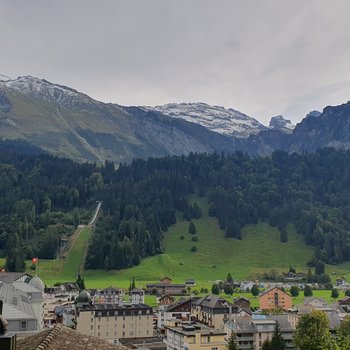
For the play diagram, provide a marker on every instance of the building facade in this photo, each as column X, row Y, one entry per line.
column 179, row 311
column 273, row 298
column 212, row 311
column 137, row 296
column 252, row 331
column 194, row 336
column 114, row 321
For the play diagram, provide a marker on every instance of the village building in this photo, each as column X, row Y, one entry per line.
column 166, row 300
column 22, row 308
column 137, row 296
column 194, row 336
column 165, row 287
column 252, row 331
column 180, row 311
column 113, row 321
column 110, row 295
column 10, row 277
column 212, row 311
column 273, row 298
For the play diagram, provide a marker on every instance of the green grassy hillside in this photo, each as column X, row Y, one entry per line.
column 258, row 251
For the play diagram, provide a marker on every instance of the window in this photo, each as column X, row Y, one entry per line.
column 92, row 327
column 123, row 334
column 208, row 339
column 92, row 320
column 23, row 324
column 106, row 334
column 214, row 348
column 98, row 334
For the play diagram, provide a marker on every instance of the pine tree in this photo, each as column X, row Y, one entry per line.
column 15, row 261
column 192, row 228
column 80, row 281
column 231, row 342
column 215, row 289
column 229, row 278
column 277, row 341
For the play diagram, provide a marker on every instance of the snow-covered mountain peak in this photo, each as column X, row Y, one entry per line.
column 222, row 120
column 279, row 123
column 4, row 77
column 43, row 89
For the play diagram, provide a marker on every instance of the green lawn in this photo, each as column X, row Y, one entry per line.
column 61, row 270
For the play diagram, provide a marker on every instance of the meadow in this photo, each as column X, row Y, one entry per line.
column 259, row 251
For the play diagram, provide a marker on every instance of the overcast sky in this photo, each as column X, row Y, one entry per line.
column 262, row 57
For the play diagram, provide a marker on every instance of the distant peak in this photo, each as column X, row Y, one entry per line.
column 226, row 121
column 315, row 114
column 280, row 123
column 4, row 77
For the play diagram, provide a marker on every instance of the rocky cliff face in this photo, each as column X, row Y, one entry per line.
column 331, row 128
column 279, row 123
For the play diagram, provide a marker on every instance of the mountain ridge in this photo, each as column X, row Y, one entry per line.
column 65, row 122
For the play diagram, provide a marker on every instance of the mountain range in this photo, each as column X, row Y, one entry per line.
column 68, row 123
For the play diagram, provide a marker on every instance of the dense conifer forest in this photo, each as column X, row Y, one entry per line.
column 41, row 198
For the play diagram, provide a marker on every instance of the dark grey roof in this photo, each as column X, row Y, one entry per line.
column 177, row 304
column 137, row 291
column 283, row 322
column 249, row 323
column 10, row 277
column 213, row 301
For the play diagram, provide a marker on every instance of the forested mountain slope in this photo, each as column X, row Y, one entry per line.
column 311, row 191
column 43, row 197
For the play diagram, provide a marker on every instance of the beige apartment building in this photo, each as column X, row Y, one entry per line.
column 194, row 336
column 252, row 331
column 113, row 321
column 212, row 311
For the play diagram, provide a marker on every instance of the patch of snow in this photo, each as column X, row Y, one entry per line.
column 43, row 89
column 4, row 77
column 219, row 119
